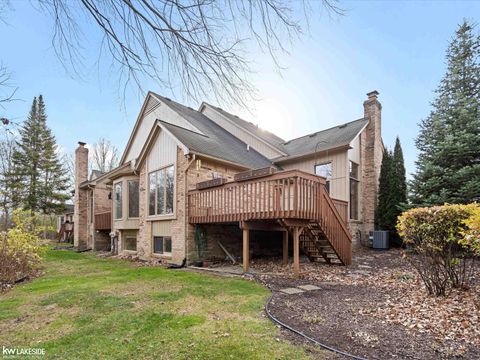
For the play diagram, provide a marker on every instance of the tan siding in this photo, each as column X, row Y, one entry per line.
column 240, row 133
column 161, row 228
column 162, row 112
column 339, row 159
column 162, row 153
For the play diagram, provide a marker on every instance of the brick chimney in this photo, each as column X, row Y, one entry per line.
column 371, row 157
column 81, row 203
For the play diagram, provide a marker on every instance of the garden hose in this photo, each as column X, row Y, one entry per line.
column 288, row 327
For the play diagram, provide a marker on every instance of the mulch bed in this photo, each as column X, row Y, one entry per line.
column 376, row 308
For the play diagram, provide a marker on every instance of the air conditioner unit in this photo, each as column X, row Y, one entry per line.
column 380, row 239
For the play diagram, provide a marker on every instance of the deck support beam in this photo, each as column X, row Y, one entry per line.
column 285, row 248
column 246, row 250
column 296, row 250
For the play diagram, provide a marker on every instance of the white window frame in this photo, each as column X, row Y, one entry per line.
column 164, row 253
column 115, row 217
column 156, row 215
column 128, row 198
column 357, row 180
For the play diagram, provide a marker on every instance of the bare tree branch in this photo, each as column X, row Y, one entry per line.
column 196, row 46
column 104, row 155
column 7, row 92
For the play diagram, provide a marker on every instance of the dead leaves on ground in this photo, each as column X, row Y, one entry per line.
column 451, row 319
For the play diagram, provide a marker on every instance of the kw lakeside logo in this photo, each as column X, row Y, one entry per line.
column 14, row 351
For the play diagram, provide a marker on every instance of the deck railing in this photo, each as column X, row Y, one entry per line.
column 289, row 194
column 342, row 207
column 103, row 220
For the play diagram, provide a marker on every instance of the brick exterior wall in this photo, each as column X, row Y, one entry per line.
column 80, row 217
column 181, row 232
column 144, row 241
column 227, row 234
column 371, row 158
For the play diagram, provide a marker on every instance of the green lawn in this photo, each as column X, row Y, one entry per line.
column 86, row 307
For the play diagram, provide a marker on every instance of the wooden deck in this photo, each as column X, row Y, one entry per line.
column 103, row 220
column 296, row 200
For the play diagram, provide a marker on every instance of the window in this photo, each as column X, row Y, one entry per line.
column 130, row 243
column 161, row 191
column 162, row 244
column 118, row 200
column 133, row 194
column 325, row 170
column 353, row 170
column 353, row 190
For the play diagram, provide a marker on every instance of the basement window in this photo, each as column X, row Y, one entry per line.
column 162, row 245
column 118, row 200
column 130, row 243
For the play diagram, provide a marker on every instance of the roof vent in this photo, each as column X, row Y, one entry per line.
column 312, row 135
column 342, row 126
column 168, row 99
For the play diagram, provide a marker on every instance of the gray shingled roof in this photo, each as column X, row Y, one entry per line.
column 265, row 135
column 334, row 137
column 95, row 174
column 217, row 142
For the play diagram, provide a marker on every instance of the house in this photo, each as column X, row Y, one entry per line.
column 194, row 183
column 65, row 223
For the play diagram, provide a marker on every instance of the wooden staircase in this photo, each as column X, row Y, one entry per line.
column 316, row 246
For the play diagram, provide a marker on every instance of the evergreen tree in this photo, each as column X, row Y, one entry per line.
column 398, row 195
column 54, row 183
column 26, row 160
column 448, row 166
column 399, row 177
column 385, row 187
column 41, row 177
column 392, row 191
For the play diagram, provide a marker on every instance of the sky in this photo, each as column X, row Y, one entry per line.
column 394, row 47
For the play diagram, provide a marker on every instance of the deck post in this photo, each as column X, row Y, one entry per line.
column 246, row 250
column 296, row 251
column 285, row 248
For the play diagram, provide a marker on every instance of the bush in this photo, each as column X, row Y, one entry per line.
column 472, row 233
column 20, row 250
column 441, row 244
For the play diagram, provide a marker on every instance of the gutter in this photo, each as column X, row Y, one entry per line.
column 221, row 160
column 306, row 155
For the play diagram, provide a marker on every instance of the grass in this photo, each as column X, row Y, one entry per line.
column 85, row 307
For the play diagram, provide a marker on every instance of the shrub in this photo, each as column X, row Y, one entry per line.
column 20, row 250
column 438, row 246
column 471, row 237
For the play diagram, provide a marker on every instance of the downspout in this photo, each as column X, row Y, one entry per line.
column 186, row 206
column 92, row 216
